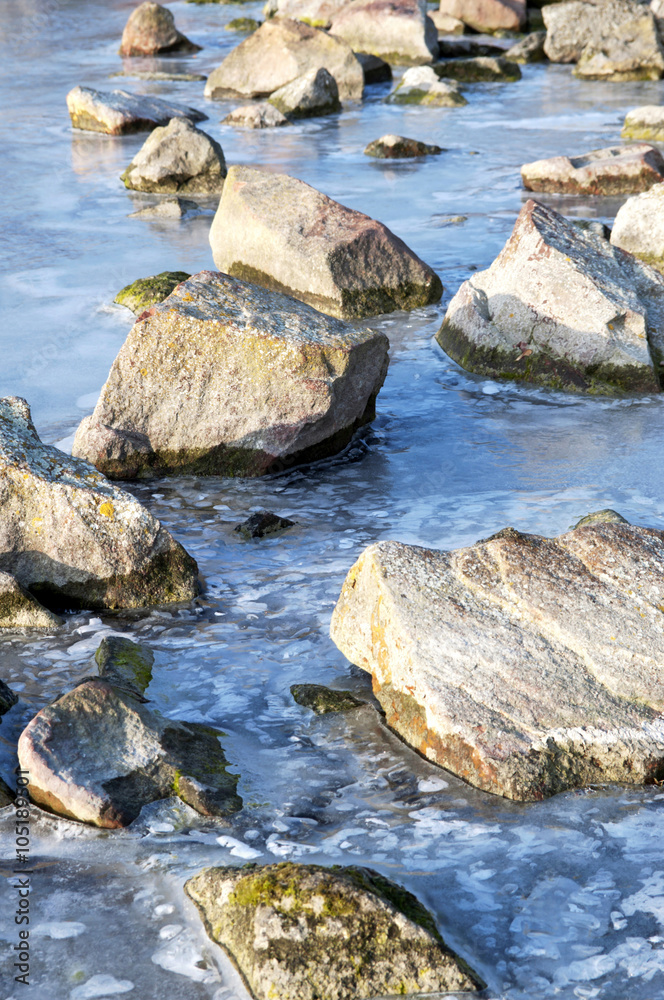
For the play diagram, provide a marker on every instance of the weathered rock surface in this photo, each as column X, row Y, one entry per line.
column 312, row 94
column 151, row 30
column 19, row 609
column 277, row 53
column 645, row 123
column 7, row 796
column 639, row 226
column 262, row 523
column 146, row 292
column 311, row 933
column 421, row 85
column 279, row 232
column 119, row 113
column 99, row 755
column 479, row 69
column 487, row 15
column 390, row 147
column 375, row 70
column 606, row 516
column 446, row 25
column 464, row 46
column 398, row 31
column 561, row 307
column 523, row 664
column 323, row 700
column 8, row 698
column 177, row 158
column 226, row 378
column 318, row 13
column 529, row 50
column 125, row 665
column 74, row 539
column 245, row 25
column 616, row 170
column 260, row 115
column 168, row 209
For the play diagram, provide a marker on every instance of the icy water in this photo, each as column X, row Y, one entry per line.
column 559, row 899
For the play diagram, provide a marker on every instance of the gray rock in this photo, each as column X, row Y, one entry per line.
column 301, row 931
column 561, row 307
column 616, row 170
column 525, row 665
column 487, row 15
column 260, row 115
column 639, row 226
column 168, row 209
column 375, row 70
column 421, row 85
column 606, row 516
column 317, row 13
column 125, row 665
column 249, row 404
column 177, row 158
column 74, row 539
column 8, row 698
column 19, row 609
column 593, row 226
column 645, row 123
column 144, row 293
column 119, row 113
column 529, row 50
column 323, row 700
column 390, row 147
column 158, row 74
column 262, row 523
column 465, row 46
column 151, row 30
column 398, row 31
column 479, row 69
column 314, row 93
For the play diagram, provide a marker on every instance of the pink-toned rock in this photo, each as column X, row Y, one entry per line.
column 487, row 15
column 616, row 170
column 151, row 29
column 398, row 31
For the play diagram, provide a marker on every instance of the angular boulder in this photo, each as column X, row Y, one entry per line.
column 639, row 226
column 73, row 539
column 177, row 159
column 305, row 932
column 151, row 30
column 260, row 115
column 391, row 147
column 312, row 94
column 398, row 31
column 226, row 378
column 120, row 113
column 19, row 609
column 146, row 292
column 421, row 85
column 445, row 24
column 525, row 665
column 277, row 53
column 644, row 123
column 487, row 15
column 529, row 50
column 560, row 306
column 616, row 170
column 479, row 69
column 279, row 232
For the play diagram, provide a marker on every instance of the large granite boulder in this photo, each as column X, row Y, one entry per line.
column 639, row 226
column 616, row 170
column 226, row 378
column 119, row 113
column 151, row 30
column 523, row 664
column 177, row 158
column 644, row 123
column 280, row 232
column 312, row 94
column 277, row 53
column 421, row 85
column 19, row 609
column 398, row 31
column 479, row 69
column 73, row 539
column 310, row 933
column 562, row 307
column 487, row 15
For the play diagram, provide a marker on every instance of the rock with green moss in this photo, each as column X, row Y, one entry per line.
column 317, row 13
column 147, row 292
column 398, row 31
column 262, row 523
column 151, row 31
column 8, row 698
column 606, row 516
column 479, row 69
column 245, row 25
column 398, row 147
column 639, row 226
column 322, row 700
column 269, row 383
column 177, row 159
column 19, row 609
column 98, row 754
column 304, row 932
column 313, row 94
column 125, row 665
column 421, row 85
column 120, row 113
column 563, row 308
column 646, row 123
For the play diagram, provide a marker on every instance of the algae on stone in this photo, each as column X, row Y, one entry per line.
column 146, row 292
column 322, row 700
column 125, row 665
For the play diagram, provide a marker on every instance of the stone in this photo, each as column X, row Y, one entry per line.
column 146, row 292
column 156, row 74
column 529, row 50
column 151, row 30
column 312, row 94
column 7, row 796
column 465, row 46
column 279, row 232
column 19, row 609
column 302, row 932
column 260, row 115
column 606, row 516
column 167, row 209
column 177, row 158
column 560, row 307
column 262, row 523
column 525, row 665
column 390, row 147
column 446, row 25
column 120, row 113
column 243, row 24
column 479, row 69
column 317, row 13
column 375, row 70
column 73, row 539
column 616, row 170
column 398, row 31
column 639, row 226
column 323, row 700
column 99, row 755
column 125, row 665
column 8, row 698
column 280, row 51
column 421, row 85
column 645, row 123
column 487, row 15
column 269, row 383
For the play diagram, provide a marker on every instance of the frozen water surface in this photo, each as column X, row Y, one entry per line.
column 561, row 899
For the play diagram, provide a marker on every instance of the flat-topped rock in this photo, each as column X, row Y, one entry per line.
column 73, row 539
column 119, row 113
column 421, row 85
column 391, row 147
column 639, row 226
column 479, row 69
column 616, row 170
column 487, row 15
column 644, row 123
column 177, row 159
column 561, row 307
column 269, row 383
column 19, row 609
column 398, row 31
column 313, row 94
column 151, row 30
column 259, row 115
column 525, row 665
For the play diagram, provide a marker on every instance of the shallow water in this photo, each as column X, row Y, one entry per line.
column 559, row 899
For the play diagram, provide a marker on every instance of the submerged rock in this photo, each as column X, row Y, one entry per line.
column 616, row 170
column 262, row 523
column 421, row 85
column 375, row 70
column 645, row 123
column 314, row 93
column 561, row 307
column 119, row 113
column 390, row 147
column 479, row 69
column 464, row 46
column 125, row 665
column 146, row 292
column 178, row 158
column 323, row 700
column 280, row 232
column 261, row 115
column 269, row 383
column 151, row 30
column 19, row 609
column 525, row 665
column 487, row 15
column 243, row 24
column 312, row 933
column 157, row 74
column 8, row 698
column 398, row 31
column 168, row 209
column 73, row 539
column 639, row 226
column 529, row 50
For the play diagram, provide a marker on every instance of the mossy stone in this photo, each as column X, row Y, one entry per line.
column 322, row 699
column 146, row 292
column 125, row 664
column 243, row 24
column 606, row 516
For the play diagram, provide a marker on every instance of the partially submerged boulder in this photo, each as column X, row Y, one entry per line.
column 269, row 383
column 151, row 30
column 245, row 25
column 375, row 70
column 125, row 665
column 177, row 158
column 616, row 170
column 305, row 932
column 262, row 523
column 421, row 85
column 279, row 232
column 19, row 609
column 8, row 698
column 146, row 292
column 312, row 94
column 74, row 539
column 390, row 147
column 639, row 226
column 277, row 53
column 644, row 123
column 487, row 15
column 529, row 50
column 260, row 115
column 560, row 306
column 398, row 31
column 525, row 665
column 323, row 700
column 169, row 210
column 119, row 113
column 479, row 69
